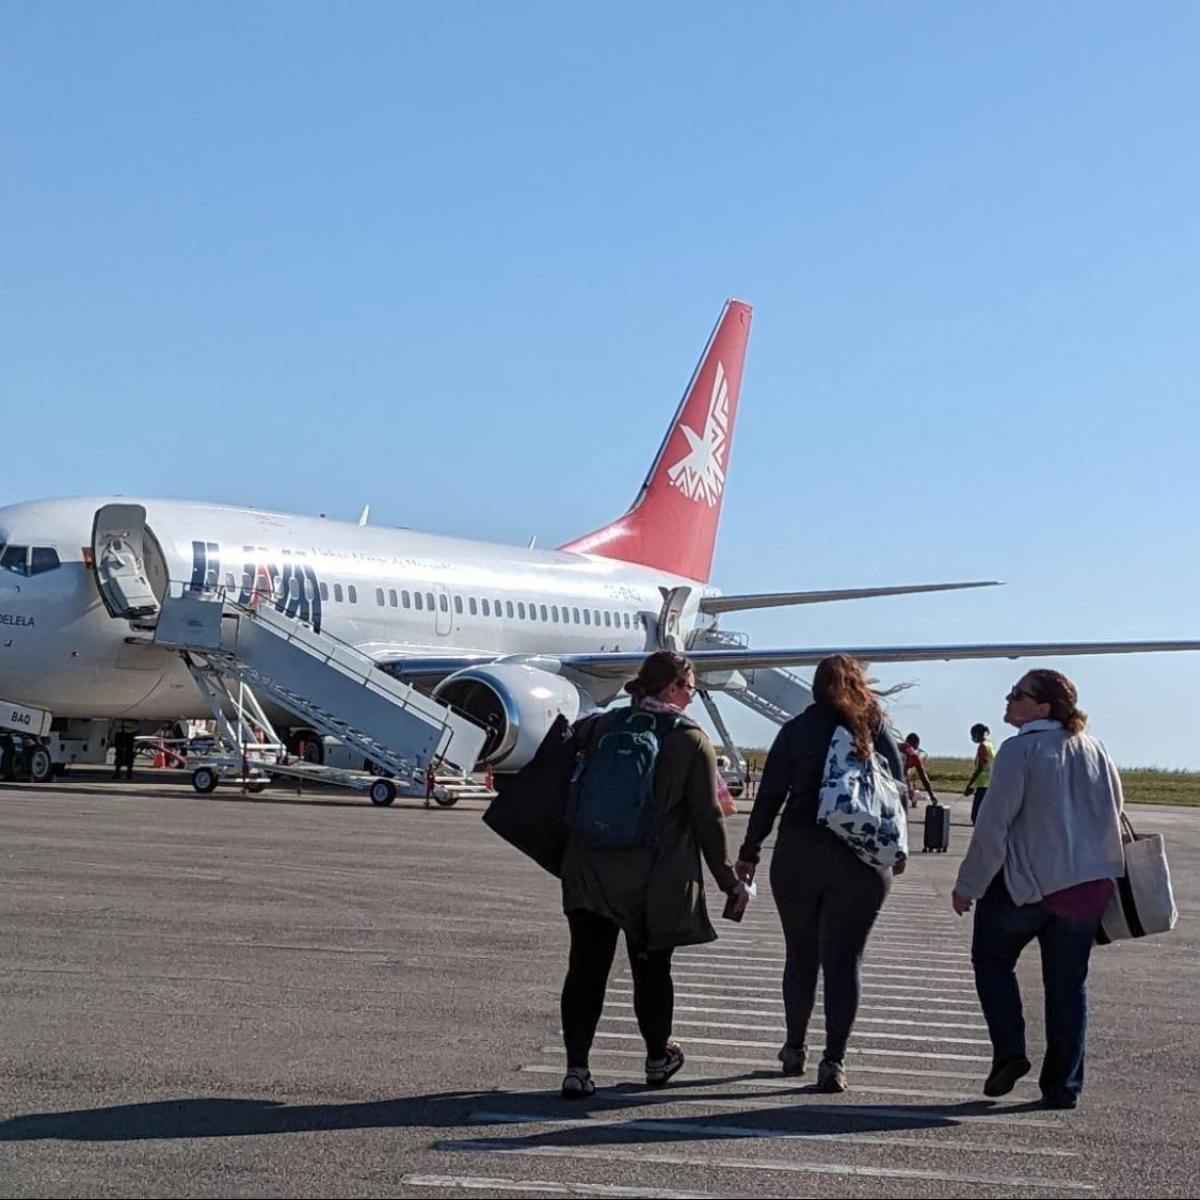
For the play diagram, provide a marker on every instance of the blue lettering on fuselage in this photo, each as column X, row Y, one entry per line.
column 17, row 619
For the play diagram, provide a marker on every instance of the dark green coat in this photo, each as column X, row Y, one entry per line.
column 656, row 893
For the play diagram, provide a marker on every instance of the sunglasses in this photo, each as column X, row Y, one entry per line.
column 1017, row 693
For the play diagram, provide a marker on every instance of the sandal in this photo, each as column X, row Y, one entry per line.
column 659, row 1070
column 577, row 1084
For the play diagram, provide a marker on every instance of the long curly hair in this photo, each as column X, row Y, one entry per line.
column 839, row 682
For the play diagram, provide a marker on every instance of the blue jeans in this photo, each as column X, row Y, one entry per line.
column 1002, row 930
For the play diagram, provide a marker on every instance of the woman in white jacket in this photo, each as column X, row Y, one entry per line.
column 1041, row 863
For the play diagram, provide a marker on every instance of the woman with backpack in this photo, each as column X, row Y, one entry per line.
column 827, row 896
column 642, row 810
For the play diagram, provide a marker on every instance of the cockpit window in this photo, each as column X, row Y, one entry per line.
column 15, row 559
column 42, row 559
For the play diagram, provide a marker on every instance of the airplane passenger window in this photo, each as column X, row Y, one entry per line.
column 352, row 592
column 392, row 600
column 554, row 612
column 587, row 616
column 458, row 604
column 337, row 592
column 15, row 559
column 429, row 600
column 521, row 609
column 575, row 614
column 545, row 617
column 406, row 599
column 596, row 613
column 474, row 607
column 626, row 616
column 509, row 607
column 500, row 609
column 608, row 619
column 420, row 600
column 325, row 592
column 379, row 597
column 43, row 558
column 533, row 612
column 487, row 608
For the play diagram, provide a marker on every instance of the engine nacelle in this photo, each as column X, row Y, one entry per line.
column 516, row 702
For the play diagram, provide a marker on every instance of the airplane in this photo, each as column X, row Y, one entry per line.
column 510, row 636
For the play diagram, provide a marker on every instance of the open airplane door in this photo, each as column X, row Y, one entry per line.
column 118, row 559
column 669, row 635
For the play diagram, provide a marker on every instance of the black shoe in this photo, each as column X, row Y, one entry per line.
column 794, row 1059
column 831, row 1077
column 1005, row 1074
column 1060, row 1100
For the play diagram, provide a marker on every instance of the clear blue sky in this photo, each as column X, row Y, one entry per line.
column 458, row 261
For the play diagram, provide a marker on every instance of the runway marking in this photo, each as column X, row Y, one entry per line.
column 942, row 1055
column 778, row 1011
column 492, row 1184
column 771, row 1064
column 609, row 1154
column 781, row 1028
column 766, row 1133
column 798, row 1086
column 764, row 977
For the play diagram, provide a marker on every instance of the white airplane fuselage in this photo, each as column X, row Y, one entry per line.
column 370, row 586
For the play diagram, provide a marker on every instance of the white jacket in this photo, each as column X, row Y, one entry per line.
column 1051, row 817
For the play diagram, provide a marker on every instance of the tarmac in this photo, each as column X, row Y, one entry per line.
column 309, row 996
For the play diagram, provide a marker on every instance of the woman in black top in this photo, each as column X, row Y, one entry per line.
column 827, row 897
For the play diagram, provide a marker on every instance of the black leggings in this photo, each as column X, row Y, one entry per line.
column 828, row 900
column 593, row 944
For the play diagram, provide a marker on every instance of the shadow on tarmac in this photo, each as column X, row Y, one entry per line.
column 216, row 1117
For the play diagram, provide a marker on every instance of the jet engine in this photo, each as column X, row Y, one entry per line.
column 516, row 702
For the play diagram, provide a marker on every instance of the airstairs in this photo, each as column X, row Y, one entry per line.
column 772, row 692
column 239, row 654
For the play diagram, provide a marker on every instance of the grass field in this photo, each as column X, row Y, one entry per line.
column 1143, row 785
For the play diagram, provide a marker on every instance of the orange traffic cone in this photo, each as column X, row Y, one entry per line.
column 160, row 759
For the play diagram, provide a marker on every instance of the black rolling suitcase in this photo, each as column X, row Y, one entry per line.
column 937, row 828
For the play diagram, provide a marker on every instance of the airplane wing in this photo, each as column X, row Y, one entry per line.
column 410, row 665
column 706, row 661
column 723, row 604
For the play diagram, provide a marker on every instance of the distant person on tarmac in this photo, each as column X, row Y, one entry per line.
column 124, row 740
column 985, row 752
column 1041, row 864
column 827, row 897
column 648, row 884
column 914, row 764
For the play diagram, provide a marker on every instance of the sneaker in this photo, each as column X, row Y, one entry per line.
column 831, row 1077
column 794, row 1059
column 1005, row 1074
column 577, row 1084
column 659, row 1070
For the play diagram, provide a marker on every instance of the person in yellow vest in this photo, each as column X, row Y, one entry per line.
column 981, row 777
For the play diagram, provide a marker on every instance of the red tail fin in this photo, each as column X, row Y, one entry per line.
column 672, row 524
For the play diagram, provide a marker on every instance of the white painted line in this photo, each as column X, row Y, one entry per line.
column 781, row 1028
column 702, row 989
column 777, row 1011
column 775, row 1079
column 730, row 962
column 765, row 1132
column 706, row 1041
column 611, row 1154
column 492, row 1185
column 876, row 981
column 798, row 1085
